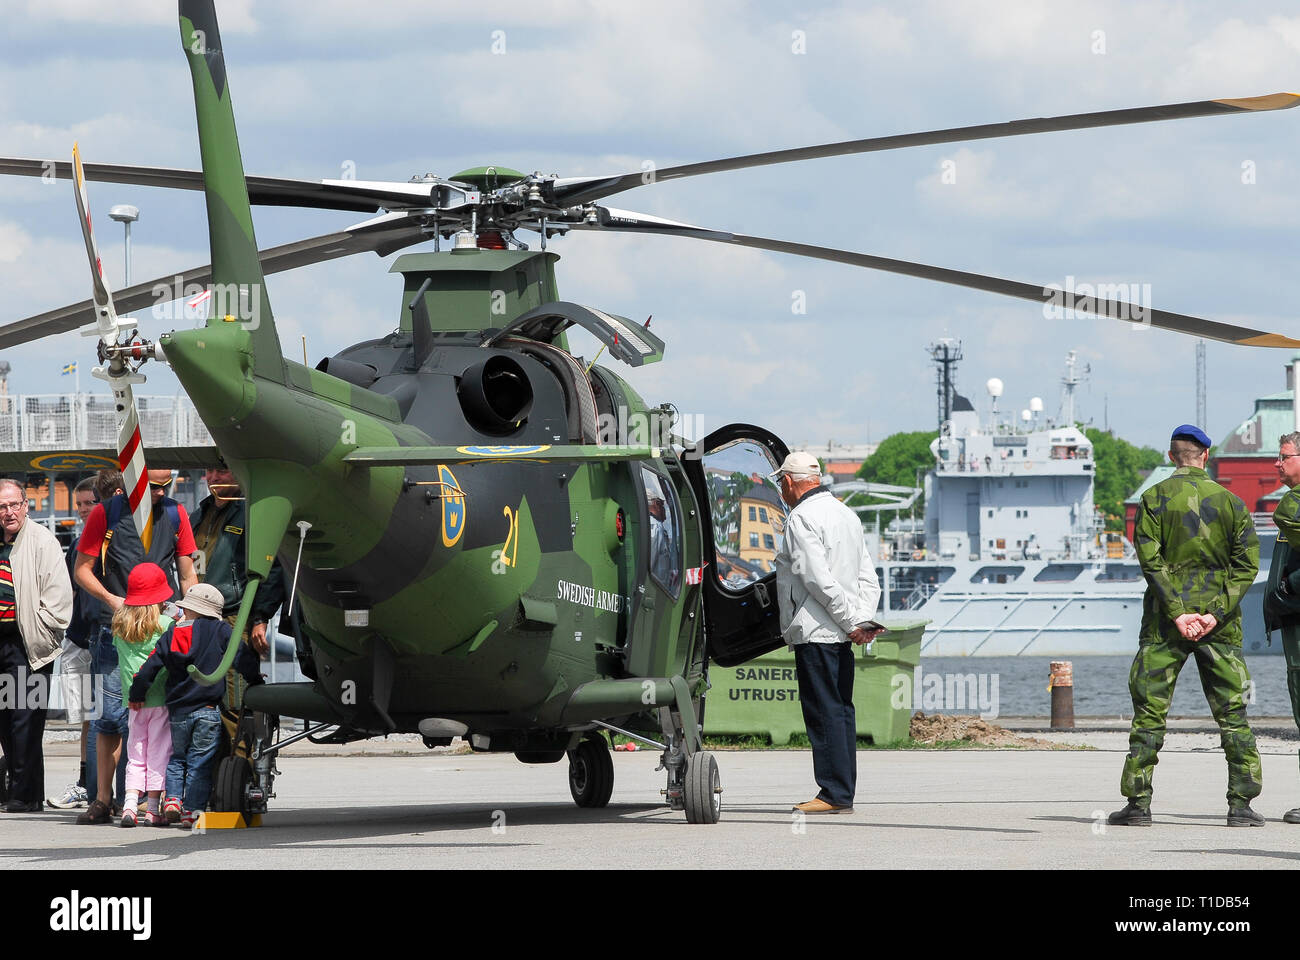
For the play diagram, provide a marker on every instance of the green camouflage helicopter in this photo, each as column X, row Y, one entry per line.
column 488, row 539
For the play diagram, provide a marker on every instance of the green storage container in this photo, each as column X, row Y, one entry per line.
column 762, row 696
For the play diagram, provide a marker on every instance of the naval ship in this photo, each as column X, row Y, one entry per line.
column 1012, row 558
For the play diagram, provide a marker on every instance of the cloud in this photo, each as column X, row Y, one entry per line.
column 13, row 241
column 235, row 15
column 587, row 88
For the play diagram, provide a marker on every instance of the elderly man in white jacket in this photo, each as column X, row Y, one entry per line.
column 35, row 605
column 827, row 590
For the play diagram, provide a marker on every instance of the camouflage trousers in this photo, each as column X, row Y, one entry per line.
column 233, row 701
column 1291, row 651
column 1223, row 678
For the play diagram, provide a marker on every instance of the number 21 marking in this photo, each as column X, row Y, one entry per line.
column 509, row 556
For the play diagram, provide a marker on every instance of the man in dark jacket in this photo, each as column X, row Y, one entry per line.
column 1282, row 598
column 221, row 561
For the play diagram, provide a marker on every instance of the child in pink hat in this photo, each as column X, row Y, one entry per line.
column 137, row 625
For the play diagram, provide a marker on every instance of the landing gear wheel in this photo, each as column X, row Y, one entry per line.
column 230, row 788
column 702, row 790
column 591, row 773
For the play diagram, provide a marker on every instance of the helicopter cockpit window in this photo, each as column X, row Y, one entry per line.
column 665, row 531
column 747, row 510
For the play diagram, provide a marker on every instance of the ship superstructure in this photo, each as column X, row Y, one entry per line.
column 1013, row 557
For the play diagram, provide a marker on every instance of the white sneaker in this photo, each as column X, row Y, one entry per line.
column 71, row 799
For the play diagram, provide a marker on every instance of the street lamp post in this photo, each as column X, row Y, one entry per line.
column 126, row 215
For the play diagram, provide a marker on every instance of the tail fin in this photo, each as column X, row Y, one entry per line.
column 239, row 288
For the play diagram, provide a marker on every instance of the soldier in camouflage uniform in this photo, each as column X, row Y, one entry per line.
column 219, row 524
column 1282, row 599
column 1197, row 547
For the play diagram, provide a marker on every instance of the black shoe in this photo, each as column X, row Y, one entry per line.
column 1131, row 816
column 19, row 806
column 96, row 813
column 1291, row 816
column 1243, row 816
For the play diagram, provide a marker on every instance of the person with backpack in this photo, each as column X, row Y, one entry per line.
column 110, row 537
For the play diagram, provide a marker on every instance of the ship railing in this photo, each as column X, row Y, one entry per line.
column 1263, row 521
column 998, row 466
column 87, row 421
column 920, row 593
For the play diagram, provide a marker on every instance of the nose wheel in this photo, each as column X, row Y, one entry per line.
column 702, row 791
column 242, row 785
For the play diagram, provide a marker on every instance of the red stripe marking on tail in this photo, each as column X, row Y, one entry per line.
column 128, row 451
column 138, row 493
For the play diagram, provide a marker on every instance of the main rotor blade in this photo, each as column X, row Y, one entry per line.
column 382, row 235
column 356, row 195
column 579, row 190
column 624, row 221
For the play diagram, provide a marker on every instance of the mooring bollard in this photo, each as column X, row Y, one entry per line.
column 1062, row 686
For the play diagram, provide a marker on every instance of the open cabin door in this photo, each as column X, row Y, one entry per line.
column 743, row 518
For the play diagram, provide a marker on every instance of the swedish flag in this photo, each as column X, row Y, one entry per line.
column 69, row 368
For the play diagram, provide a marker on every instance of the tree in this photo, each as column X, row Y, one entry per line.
column 1118, row 472
column 898, row 460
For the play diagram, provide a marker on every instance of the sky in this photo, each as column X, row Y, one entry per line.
column 1201, row 213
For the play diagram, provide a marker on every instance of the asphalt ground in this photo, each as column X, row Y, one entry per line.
column 391, row 805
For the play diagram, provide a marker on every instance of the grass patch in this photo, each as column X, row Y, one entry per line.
column 799, row 741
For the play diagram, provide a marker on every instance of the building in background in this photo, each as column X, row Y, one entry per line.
column 842, row 460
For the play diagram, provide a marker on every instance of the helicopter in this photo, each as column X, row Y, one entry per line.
column 489, row 540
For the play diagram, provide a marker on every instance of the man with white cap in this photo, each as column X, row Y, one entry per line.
column 827, row 591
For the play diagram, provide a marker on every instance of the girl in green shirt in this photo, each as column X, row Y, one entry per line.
column 137, row 625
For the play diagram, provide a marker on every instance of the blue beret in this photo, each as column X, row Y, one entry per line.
column 1189, row 431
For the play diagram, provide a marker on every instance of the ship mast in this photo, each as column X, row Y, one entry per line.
column 945, row 353
column 1069, row 382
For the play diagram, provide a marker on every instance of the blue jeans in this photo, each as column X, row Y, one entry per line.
column 111, row 714
column 825, row 673
column 195, row 738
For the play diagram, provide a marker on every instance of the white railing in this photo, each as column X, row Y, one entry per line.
column 1264, row 521
column 86, row 421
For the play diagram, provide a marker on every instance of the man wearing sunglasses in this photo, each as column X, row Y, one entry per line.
column 219, row 524
column 111, row 538
column 1282, row 598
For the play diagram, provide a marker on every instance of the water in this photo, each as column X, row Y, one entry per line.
column 1100, row 687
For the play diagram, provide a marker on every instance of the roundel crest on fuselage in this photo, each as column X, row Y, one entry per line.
column 503, row 451
column 454, row 507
